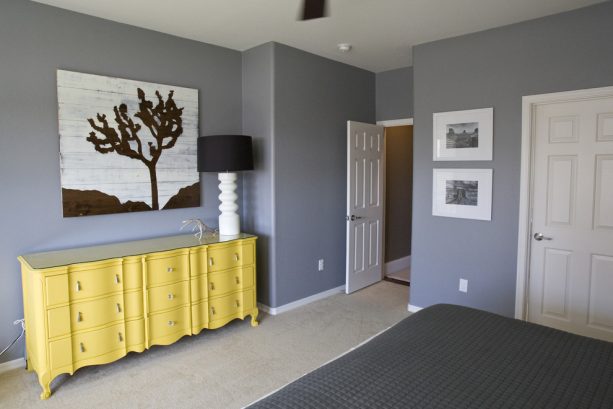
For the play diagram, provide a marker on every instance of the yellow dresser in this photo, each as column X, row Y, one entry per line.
column 93, row 305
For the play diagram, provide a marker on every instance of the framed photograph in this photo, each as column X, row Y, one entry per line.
column 463, row 135
column 462, row 193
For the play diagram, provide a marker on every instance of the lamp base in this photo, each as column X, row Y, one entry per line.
column 229, row 222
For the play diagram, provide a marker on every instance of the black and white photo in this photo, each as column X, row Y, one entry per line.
column 462, row 193
column 463, row 135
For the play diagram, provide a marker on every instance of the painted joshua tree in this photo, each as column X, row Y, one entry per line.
column 126, row 145
column 163, row 121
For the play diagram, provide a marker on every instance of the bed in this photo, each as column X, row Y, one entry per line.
column 448, row 356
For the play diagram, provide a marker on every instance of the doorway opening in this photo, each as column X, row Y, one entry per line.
column 398, row 200
column 376, row 248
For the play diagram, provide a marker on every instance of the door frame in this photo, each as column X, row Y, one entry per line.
column 396, row 122
column 388, row 124
column 524, row 236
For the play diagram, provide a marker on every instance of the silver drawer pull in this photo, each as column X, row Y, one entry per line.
column 120, row 337
column 78, row 286
column 211, row 262
column 118, row 308
column 235, row 256
column 238, row 281
column 238, row 304
column 171, row 323
column 79, row 317
column 82, row 347
column 213, row 310
column 171, row 296
column 116, row 278
column 212, row 286
column 170, row 269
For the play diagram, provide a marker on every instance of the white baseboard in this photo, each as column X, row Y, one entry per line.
column 301, row 302
column 10, row 365
column 397, row 265
column 414, row 308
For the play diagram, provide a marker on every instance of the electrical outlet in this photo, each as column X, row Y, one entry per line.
column 463, row 285
column 320, row 264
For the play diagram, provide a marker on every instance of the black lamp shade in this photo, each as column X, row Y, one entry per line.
column 224, row 153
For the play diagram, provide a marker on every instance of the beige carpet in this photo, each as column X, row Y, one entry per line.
column 226, row 368
column 403, row 275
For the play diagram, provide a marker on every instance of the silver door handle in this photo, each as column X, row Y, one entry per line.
column 541, row 236
column 353, row 217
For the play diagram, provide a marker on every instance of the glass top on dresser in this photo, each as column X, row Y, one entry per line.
column 58, row 258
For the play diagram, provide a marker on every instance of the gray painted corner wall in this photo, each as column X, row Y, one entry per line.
column 258, row 117
column 557, row 53
column 394, row 94
column 314, row 99
column 35, row 41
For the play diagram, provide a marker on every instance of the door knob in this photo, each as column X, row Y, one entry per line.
column 353, row 217
column 541, row 236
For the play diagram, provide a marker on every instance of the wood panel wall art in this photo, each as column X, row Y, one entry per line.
column 126, row 146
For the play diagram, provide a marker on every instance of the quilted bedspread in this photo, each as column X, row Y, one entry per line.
column 448, row 356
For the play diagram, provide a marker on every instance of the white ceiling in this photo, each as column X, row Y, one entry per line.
column 382, row 32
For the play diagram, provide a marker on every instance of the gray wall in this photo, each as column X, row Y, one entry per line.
column 394, row 95
column 557, row 53
column 36, row 40
column 398, row 191
column 258, row 116
column 314, row 98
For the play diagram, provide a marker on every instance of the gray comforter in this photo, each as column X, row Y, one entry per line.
column 448, row 356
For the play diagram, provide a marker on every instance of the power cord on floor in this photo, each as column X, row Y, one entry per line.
column 23, row 331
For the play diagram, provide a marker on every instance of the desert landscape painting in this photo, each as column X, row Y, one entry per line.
column 126, row 146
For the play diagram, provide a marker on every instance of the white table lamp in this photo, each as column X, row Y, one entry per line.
column 226, row 154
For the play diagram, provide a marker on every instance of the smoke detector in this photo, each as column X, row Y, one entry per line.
column 344, row 47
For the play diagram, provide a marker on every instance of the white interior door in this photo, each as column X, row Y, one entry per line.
column 364, row 205
column 571, row 262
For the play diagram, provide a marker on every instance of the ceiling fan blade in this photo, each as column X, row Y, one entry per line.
column 313, row 9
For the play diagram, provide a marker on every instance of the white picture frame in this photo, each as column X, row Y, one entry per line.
column 462, row 193
column 463, row 135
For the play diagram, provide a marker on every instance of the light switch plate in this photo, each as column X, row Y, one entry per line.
column 463, row 285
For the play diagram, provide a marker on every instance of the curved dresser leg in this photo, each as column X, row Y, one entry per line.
column 254, row 317
column 45, row 382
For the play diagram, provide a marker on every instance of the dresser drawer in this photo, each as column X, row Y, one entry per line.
column 56, row 289
column 58, row 321
column 99, row 342
column 132, row 273
column 168, row 296
column 231, row 305
column 134, row 305
column 135, row 334
column 200, row 316
column 164, row 269
column 167, row 327
column 60, row 353
column 90, row 314
column 225, row 282
column 197, row 261
column 198, row 288
column 223, row 258
column 87, row 282
column 67, row 351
